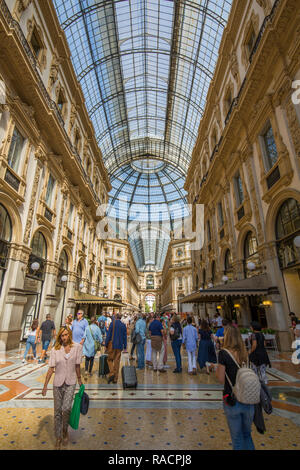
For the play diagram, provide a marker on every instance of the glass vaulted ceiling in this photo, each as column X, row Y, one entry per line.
column 145, row 67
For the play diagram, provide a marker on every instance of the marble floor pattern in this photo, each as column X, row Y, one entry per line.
column 167, row 411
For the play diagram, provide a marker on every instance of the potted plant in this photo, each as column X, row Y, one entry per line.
column 245, row 333
column 269, row 333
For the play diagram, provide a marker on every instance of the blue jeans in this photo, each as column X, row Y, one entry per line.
column 45, row 345
column 239, row 419
column 30, row 342
column 176, row 346
column 141, row 354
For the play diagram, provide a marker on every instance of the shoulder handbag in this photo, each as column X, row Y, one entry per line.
column 97, row 343
column 75, row 412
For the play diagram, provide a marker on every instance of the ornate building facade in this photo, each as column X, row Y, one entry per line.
column 176, row 275
column 245, row 169
column 52, row 178
column 120, row 275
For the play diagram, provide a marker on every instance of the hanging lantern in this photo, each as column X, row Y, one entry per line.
column 297, row 241
column 64, row 278
column 210, row 285
column 251, row 266
column 225, row 278
column 35, row 266
column 81, row 285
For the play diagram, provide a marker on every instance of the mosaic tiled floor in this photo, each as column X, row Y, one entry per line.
column 139, row 429
column 167, row 411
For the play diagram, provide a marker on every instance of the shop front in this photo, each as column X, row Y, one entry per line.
column 94, row 305
column 240, row 301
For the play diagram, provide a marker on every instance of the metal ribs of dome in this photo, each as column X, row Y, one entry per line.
column 144, row 67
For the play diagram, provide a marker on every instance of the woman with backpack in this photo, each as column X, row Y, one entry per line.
column 241, row 388
column 176, row 342
column 258, row 356
column 92, row 335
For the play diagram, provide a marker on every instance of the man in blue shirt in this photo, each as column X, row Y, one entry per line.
column 116, row 341
column 140, row 328
column 78, row 327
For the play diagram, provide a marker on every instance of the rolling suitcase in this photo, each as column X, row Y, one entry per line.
column 129, row 377
column 103, row 365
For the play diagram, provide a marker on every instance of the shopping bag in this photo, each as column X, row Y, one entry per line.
column 75, row 412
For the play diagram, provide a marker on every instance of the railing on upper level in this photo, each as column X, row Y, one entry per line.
column 52, row 105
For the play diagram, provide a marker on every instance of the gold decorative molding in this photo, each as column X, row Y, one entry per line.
column 294, row 125
column 54, row 69
column 254, row 23
column 42, row 57
column 265, row 5
column 20, row 7
column 19, row 252
column 30, row 214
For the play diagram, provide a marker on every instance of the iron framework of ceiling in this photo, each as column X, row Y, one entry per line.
column 144, row 67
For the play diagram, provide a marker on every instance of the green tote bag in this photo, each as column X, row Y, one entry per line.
column 75, row 413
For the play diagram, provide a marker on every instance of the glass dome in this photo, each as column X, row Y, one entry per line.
column 149, row 206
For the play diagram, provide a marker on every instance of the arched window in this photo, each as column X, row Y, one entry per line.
column 39, row 245
column 197, row 282
column 63, row 268
column 79, row 270
column 150, row 282
column 5, row 225
column 287, row 228
column 227, row 262
column 63, row 261
column 203, row 278
column 251, row 258
column 213, row 271
column 250, row 245
column 5, row 238
column 288, row 218
column 79, row 276
column 36, row 263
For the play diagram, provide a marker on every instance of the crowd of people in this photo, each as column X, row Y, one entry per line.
column 213, row 345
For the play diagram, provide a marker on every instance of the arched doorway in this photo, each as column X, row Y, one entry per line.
column 287, row 231
column 150, row 303
column 34, row 280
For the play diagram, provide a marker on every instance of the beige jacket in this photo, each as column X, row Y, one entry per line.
column 65, row 366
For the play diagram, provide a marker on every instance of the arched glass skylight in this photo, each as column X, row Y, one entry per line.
column 144, row 67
